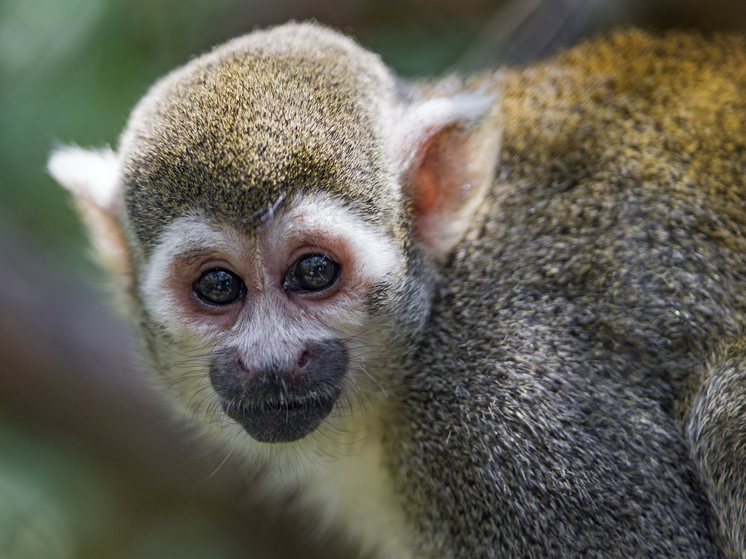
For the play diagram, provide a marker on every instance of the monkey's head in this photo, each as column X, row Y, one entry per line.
column 270, row 215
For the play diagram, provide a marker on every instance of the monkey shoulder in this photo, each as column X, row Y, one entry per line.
column 605, row 264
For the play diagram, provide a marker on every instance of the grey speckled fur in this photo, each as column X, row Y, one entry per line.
column 600, row 280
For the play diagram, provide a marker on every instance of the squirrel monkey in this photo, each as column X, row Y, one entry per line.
column 495, row 316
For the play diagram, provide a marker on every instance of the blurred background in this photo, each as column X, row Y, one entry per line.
column 91, row 464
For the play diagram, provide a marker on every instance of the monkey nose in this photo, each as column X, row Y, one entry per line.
column 281, row 402
column 303, row 359
column 291, row 369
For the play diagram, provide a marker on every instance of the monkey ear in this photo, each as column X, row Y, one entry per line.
column 448, row 154
column 93, row 178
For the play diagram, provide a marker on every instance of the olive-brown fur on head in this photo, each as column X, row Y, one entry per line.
column 291, row 110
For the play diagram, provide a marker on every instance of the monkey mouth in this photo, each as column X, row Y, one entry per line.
column 282, row 419
column 281, row 404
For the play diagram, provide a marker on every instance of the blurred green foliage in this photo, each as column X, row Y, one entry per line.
column 70, row 70
column 50, row 499
column 56, row 503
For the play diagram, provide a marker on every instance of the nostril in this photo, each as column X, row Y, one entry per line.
column 303, row 360
column 241, row 365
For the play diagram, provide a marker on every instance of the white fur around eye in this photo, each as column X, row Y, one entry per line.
column 374, row 254
column 370, row 255
column 186, row 235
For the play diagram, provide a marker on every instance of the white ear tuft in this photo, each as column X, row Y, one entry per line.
column 447, row 150
column 89, row 174
column 93, row 177
column 432, row 115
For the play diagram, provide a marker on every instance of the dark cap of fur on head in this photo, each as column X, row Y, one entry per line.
column 285, row 111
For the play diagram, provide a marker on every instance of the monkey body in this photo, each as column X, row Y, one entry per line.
column 602, row 275
column 530, row 351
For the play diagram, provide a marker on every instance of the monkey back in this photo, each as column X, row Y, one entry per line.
column 541, row 416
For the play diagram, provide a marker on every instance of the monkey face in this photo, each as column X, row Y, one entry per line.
column 273, row 216
column 281, row 306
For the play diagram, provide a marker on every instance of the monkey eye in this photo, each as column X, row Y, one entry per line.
column 313, row 272
column 219, row 287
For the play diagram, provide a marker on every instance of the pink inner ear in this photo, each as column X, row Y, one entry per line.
column 425, row 190
column 435, row 181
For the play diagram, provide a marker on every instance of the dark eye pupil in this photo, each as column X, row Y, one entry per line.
column 311, row 273
column 219, row 287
